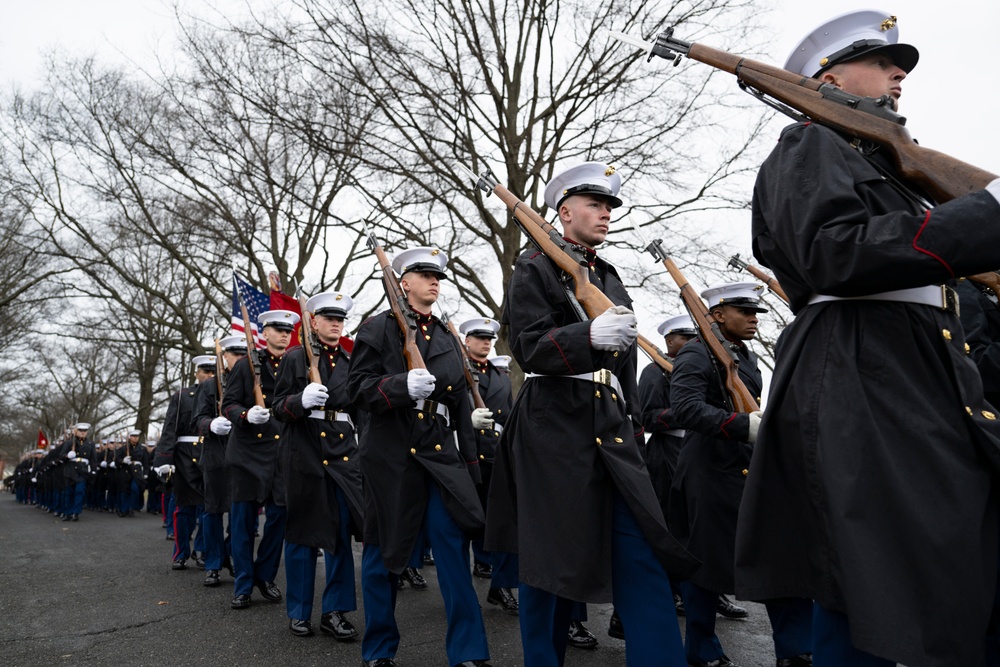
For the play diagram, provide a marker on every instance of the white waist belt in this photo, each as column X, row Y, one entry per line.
column 678, row 432
column 188, row 438
column 331, row 415
column 938, row 296
column 603, row 376
column 435, row 408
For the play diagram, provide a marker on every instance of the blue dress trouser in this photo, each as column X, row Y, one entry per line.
column 791, row 624
column 199, row 535
column 339, row 593
column 73, row 498
column 832, row 643
column 243, row 523
column 466, row 635
column 184, row 520
column 216, row 543
column 169, row 504
column 641, row 594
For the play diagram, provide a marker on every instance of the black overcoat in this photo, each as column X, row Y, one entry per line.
column 871, row 488
column 662, row 448
column 252, row 452
column 188, row 485
column 213, row 449
column 402, row 449
column 78, row 469
column 568, row 444
column 319, row 455
column 495, row 389
column 713, row 463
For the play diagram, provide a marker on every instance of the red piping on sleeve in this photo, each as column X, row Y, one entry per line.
column 560, row 352
column 916, row 238
column 723, row 426
column 383, row 393
column 659, row 418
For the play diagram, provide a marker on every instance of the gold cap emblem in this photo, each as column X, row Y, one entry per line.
column 823, row 62
column 888, row 24
column 610, row 170
column 435, row 252
column 339, row 297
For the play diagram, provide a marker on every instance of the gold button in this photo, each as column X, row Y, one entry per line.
column 437, row 448
column 969, row 410
column 194, row 460
column 341, row 436
column 482, row 458
column 448, row 388
column 413, row 451
column 260, row 435
column 325, row 462
column 745, row 472
column 499, row 411
column 420, row 415
column 263, row 396
column 619, row 440
column 597, row 394
column 967, row 348
column 615, row 354
column 989, row 415
column 823, row 62
column 614, row 396
column 322, row 434
column 599, row 441
column 496, row 433
column 946, row 334
column 346, row 458
column 427, row 337
column 482, row 432
column 277, row 437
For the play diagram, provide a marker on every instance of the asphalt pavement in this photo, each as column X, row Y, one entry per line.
column 101, row 592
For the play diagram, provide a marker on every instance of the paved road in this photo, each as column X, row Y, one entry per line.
column 101, row 592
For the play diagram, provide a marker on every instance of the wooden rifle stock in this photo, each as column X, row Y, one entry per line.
column 399, row 305
column 941, row 176
column 470, row 376
column 253, row 356
column 309, row 343
column 655, row 354
column 711, row 335
column 772, row 283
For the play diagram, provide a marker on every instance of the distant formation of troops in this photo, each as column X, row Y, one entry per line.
column 856, row 508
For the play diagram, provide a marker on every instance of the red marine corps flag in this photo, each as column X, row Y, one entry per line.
column 43, row 442
column 282, row 301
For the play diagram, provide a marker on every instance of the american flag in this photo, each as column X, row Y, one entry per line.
column 256, row 302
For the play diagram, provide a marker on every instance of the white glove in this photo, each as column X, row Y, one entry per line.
column 221, row 426
column 481, row 419
column 163, row 470
column 315, row 395
column 614, row 329
column 755, row 418
column 112, row 464
column 994, row 188
column 127, row 459
column 71, row 455
column 419, row 383
column 104, row 464
column 258, row 415
column 34, row 480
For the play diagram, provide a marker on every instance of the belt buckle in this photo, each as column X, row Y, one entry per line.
column 603, row 376
column 949, row 299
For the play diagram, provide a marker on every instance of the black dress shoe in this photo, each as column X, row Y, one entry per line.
column 726, row 608
column 505, row 598
column 678, row 604
column 212, row 578
column 482, row 570
column 414, row 578
column 179, row 565
column 380, row 662
column 724, row 661
column 581, row 637
column 199, row 562
column 228, row 565
column 66, row 518
column 615, row 627
column 429, row 560
column 76, row 517
column 269, row 591
column 240, row 601
column 334, row 623
column 400, row 584
column 474, row 663
column 300, row 628
column 803, row 660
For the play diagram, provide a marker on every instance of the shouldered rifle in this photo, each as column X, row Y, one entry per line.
column 871, row 119
column 401, row 310
column 655, row 354
column 565, row 255
column 740, row 264
column 220, row 367
column 309, row 343
column 470, row 375
column 253, row 356
column 723, row 351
